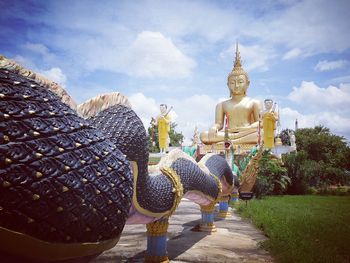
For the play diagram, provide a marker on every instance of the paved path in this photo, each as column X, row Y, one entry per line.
column 236, row 240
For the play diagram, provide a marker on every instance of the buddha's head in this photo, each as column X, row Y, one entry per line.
column 238, row 84
column 238, row 80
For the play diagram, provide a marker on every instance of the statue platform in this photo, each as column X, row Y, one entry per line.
column 220, row 148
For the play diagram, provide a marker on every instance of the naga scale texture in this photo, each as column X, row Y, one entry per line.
column 62, row 181
column 158, row 191
column 69, row 185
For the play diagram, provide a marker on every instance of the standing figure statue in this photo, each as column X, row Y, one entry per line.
column 195, row 139
column 241, row 111
column 293, row 145
column 163, row 122
column 269, row 119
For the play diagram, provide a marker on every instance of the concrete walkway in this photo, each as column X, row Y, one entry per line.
column 236, row 240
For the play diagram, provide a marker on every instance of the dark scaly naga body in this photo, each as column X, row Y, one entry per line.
column 68, row 186
column 63, row 185
column 158, row 191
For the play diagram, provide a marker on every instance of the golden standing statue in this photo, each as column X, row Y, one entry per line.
column 241, row 111
column 163, row 122
column 269, row 119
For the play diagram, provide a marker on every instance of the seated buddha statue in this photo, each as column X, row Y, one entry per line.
column 242, row 112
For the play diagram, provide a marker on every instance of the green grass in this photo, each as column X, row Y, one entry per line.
column 153, row 160
column 303, row 228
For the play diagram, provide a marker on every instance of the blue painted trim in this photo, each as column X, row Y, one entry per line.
column 156, row 246
column 223, row 206
column 207, row 217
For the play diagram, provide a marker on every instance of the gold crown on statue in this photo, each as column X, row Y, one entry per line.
column 237, row 68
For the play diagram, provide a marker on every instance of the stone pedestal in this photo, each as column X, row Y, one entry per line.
column 157, row 241
column 207, row 224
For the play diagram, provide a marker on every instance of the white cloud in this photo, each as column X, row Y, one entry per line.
column 56, row 75
column 253, row 57
column 197, row 110
column 310, row 95
column 326, row 65
column 293, row 53
column 153, row 55
column 341, row 79
column 312, row 26
column 148, row 54
column 338, row 124
column 145, row 107
column 345, row 87
column 37, row 48
column 321, row 106
column 25, row 62
column 40, row 49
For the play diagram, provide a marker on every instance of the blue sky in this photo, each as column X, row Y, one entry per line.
column 180, row 53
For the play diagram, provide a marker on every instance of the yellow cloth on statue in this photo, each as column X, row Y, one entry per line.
column 163, row 131
column 269, row 126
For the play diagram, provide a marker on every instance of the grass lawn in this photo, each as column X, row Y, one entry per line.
column 303, row 228
column 153, row 160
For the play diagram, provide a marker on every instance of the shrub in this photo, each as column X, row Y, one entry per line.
column 272, row 178
column 312, row 190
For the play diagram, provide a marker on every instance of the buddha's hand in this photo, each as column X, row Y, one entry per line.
column 212, row 132
column 246, row 128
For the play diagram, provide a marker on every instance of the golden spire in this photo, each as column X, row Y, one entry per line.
column 237, row 68
column 237, row 62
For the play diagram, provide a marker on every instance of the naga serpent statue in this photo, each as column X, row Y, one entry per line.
column 69, row 184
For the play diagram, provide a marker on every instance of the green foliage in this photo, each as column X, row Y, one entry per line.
column 284, row 135
column 320, row 145
column 322, row 160
column 303, row 229
column 176, row 138
column 153, row 144
column 293, row 163
column 272, row 178
column 153, row 160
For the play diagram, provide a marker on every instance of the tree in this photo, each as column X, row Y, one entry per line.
column 322, row 160
column 284, row 135
column 272, row 178
column 153, row 144
column 176, row 138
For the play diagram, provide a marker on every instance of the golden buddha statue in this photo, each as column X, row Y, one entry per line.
column 242, row 112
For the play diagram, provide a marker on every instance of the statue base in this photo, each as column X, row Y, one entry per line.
column 207, row 227
column 207, row 224
column 234, row 196
column 156, row 259
column 220, row 148
column 224, row 214
column 157, row 241
column 223, row 209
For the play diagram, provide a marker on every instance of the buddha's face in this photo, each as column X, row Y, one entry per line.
column 238, row 84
